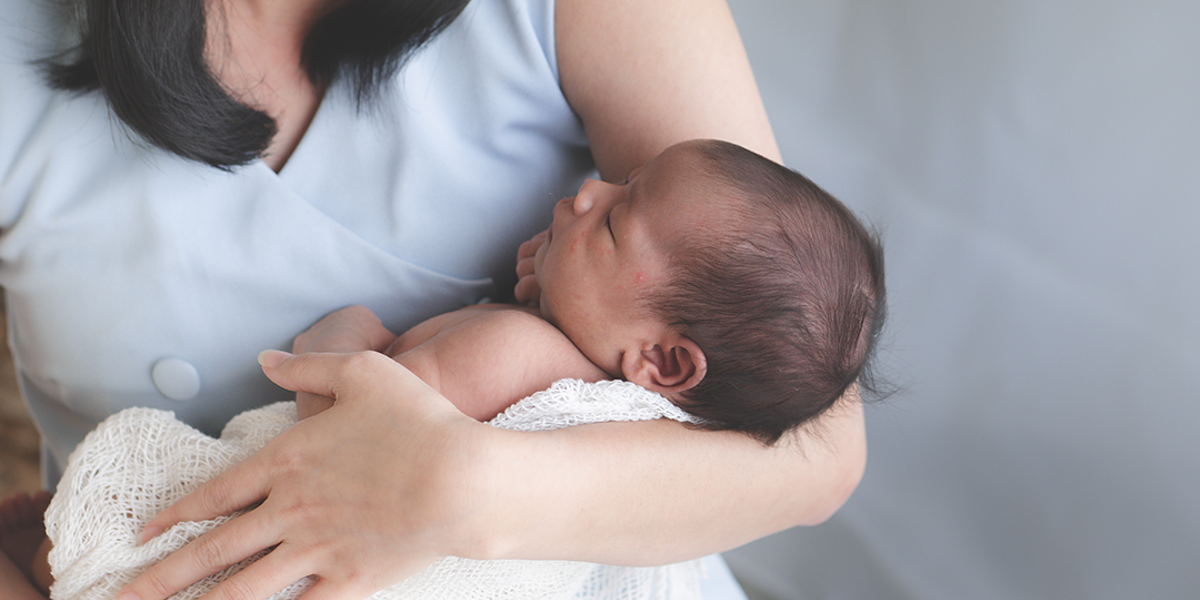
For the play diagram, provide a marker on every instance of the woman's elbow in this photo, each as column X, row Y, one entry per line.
column 844, row 456
column 852, row 465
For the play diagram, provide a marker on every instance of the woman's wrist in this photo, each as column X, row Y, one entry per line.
column 507, row 505
column 545, row 496
column 469, row 482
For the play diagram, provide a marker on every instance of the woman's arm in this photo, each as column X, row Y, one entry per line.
column 393, row 477
column 644, row 75
column 658, row 492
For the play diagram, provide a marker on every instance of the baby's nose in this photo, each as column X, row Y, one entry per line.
column 586, row 198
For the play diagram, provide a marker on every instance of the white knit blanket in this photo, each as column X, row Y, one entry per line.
column 139, row 461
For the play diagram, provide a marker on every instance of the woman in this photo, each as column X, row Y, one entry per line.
column 136, row 273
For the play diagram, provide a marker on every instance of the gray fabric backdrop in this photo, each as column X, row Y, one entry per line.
column 1036, row 168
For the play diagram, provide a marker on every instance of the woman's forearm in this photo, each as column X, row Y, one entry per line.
column 658, row 492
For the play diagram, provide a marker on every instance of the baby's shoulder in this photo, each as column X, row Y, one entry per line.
column 514, row 323
column 495, row 355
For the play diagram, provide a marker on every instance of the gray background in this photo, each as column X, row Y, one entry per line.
column 1036, row 168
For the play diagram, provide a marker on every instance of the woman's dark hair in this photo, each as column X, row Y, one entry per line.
column 786, row 299
column 147, row 58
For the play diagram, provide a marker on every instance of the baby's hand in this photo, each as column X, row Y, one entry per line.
column 351, row 329
column 527, row 291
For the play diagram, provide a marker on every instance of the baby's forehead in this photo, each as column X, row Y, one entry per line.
column 707, row 217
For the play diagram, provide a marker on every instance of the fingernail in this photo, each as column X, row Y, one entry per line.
column 272, row 358
column 148, row 534
column 129, row 596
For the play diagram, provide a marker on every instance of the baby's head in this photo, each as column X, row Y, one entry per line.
column 731, row 284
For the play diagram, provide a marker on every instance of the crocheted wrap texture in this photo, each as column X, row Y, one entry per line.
column 140, row 460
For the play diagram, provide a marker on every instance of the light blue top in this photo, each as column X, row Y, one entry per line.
column 136, row 278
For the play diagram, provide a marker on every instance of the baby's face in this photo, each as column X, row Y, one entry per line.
column 608, row 247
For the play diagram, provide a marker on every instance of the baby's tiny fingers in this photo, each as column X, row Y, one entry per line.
column 529, row 247
column 527, row 292
column 525, row 267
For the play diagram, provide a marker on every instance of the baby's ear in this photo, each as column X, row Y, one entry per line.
column 674, row 366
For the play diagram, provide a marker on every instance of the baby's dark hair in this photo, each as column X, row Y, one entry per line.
column 786, row 301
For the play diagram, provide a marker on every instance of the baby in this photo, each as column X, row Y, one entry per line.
column 731, row 285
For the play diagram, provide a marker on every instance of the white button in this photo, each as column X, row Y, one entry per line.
column 176, row 379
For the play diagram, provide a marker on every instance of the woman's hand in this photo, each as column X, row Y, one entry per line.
column 527, row 292
column 362, row 495
column 351, row 329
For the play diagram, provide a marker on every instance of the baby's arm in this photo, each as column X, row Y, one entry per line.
column 484, row 358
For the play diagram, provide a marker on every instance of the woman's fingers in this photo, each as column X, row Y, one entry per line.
column 329, row 507
column 229, row 544
column 239, row 487
column 328, row 374
column 273, row 572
